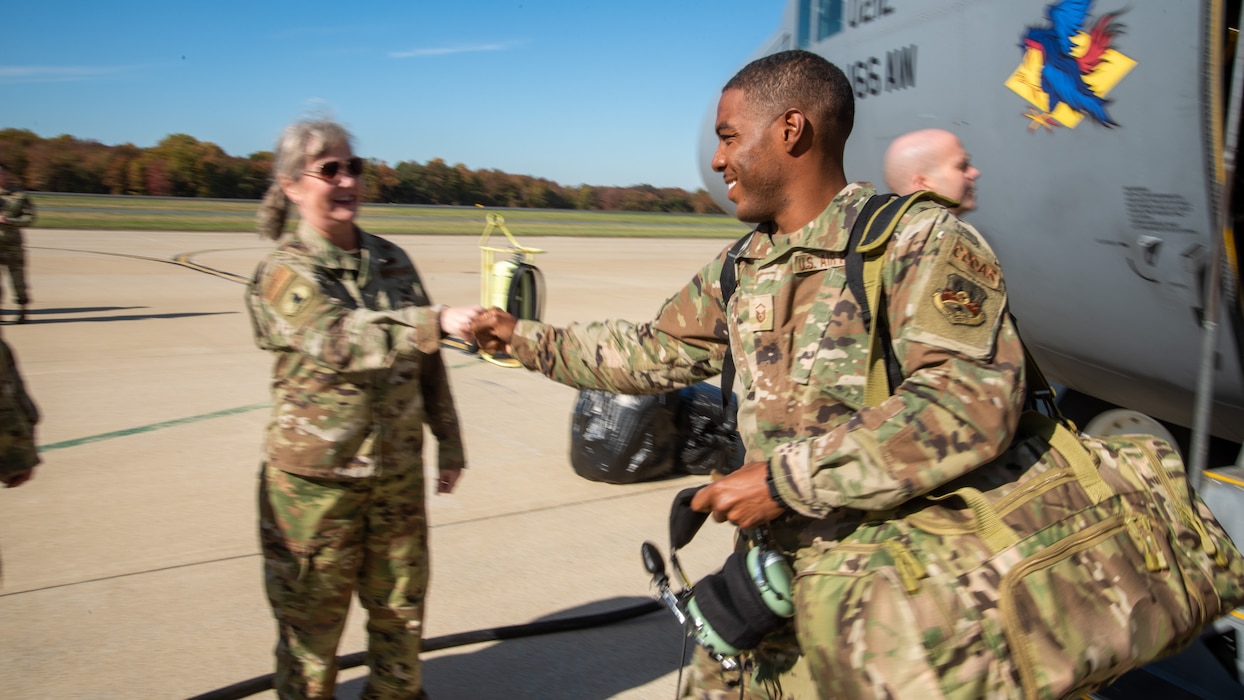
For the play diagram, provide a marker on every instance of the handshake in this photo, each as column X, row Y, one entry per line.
column 491, row 329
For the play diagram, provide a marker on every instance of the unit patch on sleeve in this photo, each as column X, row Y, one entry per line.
column 289, row 293
column 296, row 298
column 961, row 301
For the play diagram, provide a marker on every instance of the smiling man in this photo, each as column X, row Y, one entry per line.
column 817, row 463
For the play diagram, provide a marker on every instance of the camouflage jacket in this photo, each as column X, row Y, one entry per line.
column 15, row 206
column 18, row 416
column 800, row 349
column 358, row 366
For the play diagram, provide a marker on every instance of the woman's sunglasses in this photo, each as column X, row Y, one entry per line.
column 331, row 169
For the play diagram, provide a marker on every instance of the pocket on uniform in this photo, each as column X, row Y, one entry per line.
column 318, row 426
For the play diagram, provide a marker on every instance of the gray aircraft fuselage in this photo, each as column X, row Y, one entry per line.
column 1104, row 211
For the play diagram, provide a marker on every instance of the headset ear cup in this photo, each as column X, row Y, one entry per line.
column 732, row 609
column 773, row 578
column 714, row 621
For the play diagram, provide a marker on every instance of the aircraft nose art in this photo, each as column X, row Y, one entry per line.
column 1069, row 67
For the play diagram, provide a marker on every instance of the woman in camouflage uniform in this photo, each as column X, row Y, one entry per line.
column 358, row 373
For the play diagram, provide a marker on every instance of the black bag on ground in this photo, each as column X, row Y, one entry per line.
column 710, row 441
column 621, row 439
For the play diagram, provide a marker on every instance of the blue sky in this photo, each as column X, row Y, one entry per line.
column 602, row 93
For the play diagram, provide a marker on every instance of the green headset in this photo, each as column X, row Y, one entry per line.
column 732, row 610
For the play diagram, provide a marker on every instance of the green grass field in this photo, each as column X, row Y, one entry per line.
column 177, row 214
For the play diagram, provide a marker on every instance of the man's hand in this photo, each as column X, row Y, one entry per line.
column 458, row 320
column 742, row 497
column 15, row 480
column 494, row 329
column 448, row 480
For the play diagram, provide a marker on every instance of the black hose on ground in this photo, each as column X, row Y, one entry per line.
column 259, row 684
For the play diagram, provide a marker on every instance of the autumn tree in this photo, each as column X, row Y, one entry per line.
column 181, row 165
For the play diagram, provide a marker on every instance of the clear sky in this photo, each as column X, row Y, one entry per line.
column 575, row 91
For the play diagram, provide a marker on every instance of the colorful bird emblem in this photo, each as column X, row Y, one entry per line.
column 1068, row 67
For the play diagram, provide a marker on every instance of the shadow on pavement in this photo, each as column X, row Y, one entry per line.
column 69, row 310
column 36, row 316
column 590, row 664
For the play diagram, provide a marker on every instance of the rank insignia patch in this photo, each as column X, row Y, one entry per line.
column 961, row 301
column 761, row 312
column 760, row 309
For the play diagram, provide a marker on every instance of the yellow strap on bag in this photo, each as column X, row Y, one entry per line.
column 872, row 244
column 989, row 526
column 1067, row 445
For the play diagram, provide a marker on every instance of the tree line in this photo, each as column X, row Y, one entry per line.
column 182, row 166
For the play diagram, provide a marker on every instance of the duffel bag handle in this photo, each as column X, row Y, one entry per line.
column 1068, row 445
column 989, row 526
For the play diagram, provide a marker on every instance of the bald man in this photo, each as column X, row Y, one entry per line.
column 932, row 159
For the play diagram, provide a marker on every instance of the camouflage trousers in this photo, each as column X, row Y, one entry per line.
column 18, row 416
column 13, row 259
column 325, row 540
column 777, row 671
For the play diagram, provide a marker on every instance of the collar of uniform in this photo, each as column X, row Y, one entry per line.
column 831, row 228
column 332, row 256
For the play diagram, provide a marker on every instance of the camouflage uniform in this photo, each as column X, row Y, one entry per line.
column 800, row 349
column 358, row 372
column 18, row 416
column 17, row 208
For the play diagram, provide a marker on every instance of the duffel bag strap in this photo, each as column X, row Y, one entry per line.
column 1068, row 445
column 989, row 526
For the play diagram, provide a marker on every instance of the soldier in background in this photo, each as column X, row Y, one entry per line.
column 16, row 211
column 816, row 462
column 932, row 159
column 358, row 374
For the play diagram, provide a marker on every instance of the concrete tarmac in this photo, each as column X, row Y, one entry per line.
column 131, row 562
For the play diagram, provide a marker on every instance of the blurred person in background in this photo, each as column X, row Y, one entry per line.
column 932, row 159
column 16, row 211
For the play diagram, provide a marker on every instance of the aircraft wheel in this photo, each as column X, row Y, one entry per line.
column 1121, row 421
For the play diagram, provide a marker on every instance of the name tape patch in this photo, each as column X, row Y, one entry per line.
column 807, row 262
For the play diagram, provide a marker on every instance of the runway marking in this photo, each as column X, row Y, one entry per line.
column 154, row 426
column 172, row 423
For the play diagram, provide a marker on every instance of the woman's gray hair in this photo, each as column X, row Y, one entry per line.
column 304, row 139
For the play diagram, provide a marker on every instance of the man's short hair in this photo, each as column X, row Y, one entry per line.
column 802, row 80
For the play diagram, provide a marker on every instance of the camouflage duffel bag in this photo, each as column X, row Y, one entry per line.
column 1051, row 571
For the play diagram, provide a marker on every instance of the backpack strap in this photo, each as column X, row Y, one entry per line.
column 730, row 282
column 866, row 246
